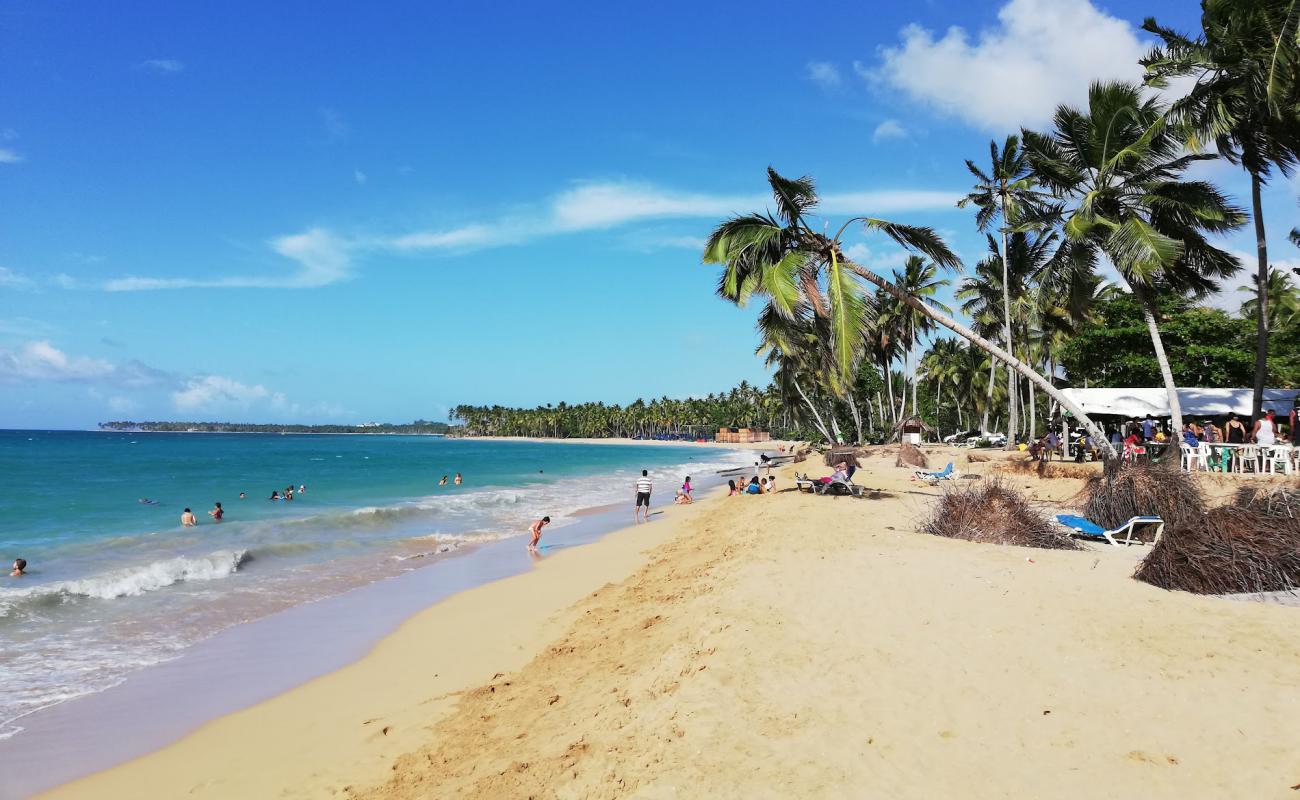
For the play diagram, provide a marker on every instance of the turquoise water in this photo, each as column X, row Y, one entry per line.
column 115, row 585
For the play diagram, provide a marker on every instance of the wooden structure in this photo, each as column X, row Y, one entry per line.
column 913, row 429
column 741, row 436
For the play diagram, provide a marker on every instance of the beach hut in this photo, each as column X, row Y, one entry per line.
column 913, row 429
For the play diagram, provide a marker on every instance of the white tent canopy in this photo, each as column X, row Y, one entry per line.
column 1139, row 402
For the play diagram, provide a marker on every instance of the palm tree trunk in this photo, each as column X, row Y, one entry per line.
column 857, row 418
column 1261, row 302
column 889, row 392
column 988, row 400
column 1033, row 414
column 821, row 425
column 938, row 421
column 1175, row 409
column 910, row 356
column 1012, row 387
column 992, row 349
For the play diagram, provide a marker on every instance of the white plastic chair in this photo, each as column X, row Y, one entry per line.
column 1278, row 455
column 1193, row 458
column 1246, row 456
column 1205, row 453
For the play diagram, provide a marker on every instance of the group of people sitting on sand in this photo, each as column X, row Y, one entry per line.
column 756, row 485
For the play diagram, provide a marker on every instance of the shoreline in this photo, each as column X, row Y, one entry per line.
column 786, row 645
column 517, row 609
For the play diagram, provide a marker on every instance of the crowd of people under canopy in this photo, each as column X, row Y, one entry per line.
column 1132, row 437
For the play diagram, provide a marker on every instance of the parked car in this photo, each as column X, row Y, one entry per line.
column 987, row 440
column 961, row 438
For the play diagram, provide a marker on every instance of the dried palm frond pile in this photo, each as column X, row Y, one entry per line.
column 1272, row 501
column 1227, row 551
column 991, row 513
column 1135, row 488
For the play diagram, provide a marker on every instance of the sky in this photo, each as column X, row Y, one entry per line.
column 329, row 212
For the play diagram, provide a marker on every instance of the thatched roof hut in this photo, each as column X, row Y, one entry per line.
column 913, row 429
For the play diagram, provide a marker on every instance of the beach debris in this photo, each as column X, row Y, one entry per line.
column 1272, row 501
column 909, row 455
column 1136, row 488
column 1228, row 551
column 992, row 513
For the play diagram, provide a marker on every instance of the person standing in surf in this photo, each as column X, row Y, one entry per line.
column 643, row 488
column 536, row 531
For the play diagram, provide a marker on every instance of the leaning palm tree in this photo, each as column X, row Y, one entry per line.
column 1119, row 170
column 1246, row 100
column 1005, row 196
column 788, row 259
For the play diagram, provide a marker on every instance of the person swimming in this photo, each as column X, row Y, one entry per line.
column 144, row 501
column 216, row 513
column 242, row 495
column 443, row 482
column 275, row 495
column 187, row 519
column 457, row 481
column 20, row 568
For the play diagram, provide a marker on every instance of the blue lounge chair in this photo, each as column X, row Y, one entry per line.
column 1124, row 533
column 944, row 474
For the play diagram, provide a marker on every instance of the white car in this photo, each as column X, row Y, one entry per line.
column 993, row 439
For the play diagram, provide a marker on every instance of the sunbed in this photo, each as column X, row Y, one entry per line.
column 1125, row 533
column 945, row 474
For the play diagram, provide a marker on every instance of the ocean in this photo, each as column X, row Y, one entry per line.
column 115, row 585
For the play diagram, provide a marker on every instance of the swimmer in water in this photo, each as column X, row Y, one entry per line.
column 302, row 489
column 443, row 482
column 458, row 479
column 187, row 519
column 275, row 495
column 216, row 513
column 536, row 531
column 20, row 568
column 242, row 495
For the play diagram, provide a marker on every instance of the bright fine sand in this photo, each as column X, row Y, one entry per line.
column 784, row 646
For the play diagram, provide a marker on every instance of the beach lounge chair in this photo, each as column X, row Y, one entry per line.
column 1125, row 533
column 945, row 474
column 839, row 487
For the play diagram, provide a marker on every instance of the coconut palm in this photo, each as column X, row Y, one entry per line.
column 1005, row 196
column 788, row 259
column 1119, row 170
column 1282, row 299
column 919, row 279
column 1246, row 64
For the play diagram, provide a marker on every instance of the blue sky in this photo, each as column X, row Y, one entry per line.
column 321, row 212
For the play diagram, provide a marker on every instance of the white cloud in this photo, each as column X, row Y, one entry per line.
column 889, row 129
column 203, row 393
column 1042, row 53
column 120, row 404
column 162, row 66
column 13, row 280
column 42, row 361
column 359, row 177
column 824, row 74
column 324, row 257
column 9, row 156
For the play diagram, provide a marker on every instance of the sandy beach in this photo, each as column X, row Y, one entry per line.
column 784, row 646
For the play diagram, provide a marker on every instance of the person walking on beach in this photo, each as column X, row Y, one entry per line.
column 216, row 513
column 536, row 531
column 187, row 519
column 643, row 488
column 686, row 489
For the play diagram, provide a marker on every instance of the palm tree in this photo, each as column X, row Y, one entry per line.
column 1246, row 63
column 787, row 260
column 1282, row 299
column 1119, row 169
column 919, row 279
column 1006, row 196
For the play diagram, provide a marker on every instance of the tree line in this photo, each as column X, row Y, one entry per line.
column 1108, row 182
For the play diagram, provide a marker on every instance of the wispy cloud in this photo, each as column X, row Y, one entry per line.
column 324, row 257
column 359, row 177
column 824, row 74
column 1040, row 54
column 889, row 129
column 161, row 66
column 218, row 393
column 13, row 280
column 10, row 156
column 336, row 128
column 42, row 361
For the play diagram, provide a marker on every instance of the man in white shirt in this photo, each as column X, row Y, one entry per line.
column 643, row 489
